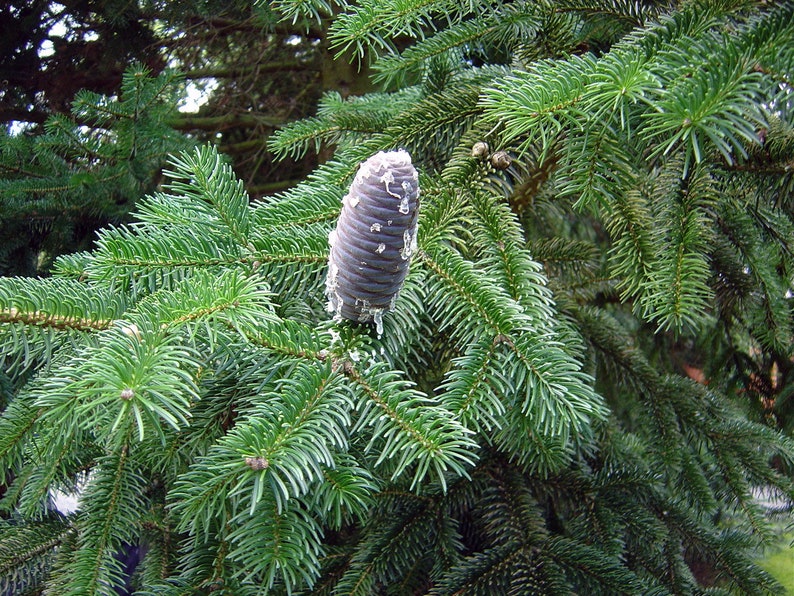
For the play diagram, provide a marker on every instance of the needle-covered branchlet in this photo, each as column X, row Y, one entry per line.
column 374, row 239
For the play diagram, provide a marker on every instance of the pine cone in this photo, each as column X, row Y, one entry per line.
column 374, row 239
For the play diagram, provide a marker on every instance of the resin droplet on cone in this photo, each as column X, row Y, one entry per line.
column 374, row 239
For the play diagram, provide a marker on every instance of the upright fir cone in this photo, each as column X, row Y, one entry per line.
column 374, row 239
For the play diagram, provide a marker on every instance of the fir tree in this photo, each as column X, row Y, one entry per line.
column 85, row 170
column 582, row 386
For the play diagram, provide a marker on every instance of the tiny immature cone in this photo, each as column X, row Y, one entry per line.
column 374, row 239
column 480, row 149
column 501, row 160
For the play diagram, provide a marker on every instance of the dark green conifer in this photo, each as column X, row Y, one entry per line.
column 582, row 387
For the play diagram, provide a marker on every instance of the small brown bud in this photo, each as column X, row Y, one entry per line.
column 127, row 394
column 480, row 149
column 501, row 160
column 257, row 463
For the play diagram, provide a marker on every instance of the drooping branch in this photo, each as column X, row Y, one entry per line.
column 239, row 71
column 226, row 121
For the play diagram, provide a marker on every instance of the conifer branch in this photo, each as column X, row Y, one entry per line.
column 25, row 551
column 409, row 428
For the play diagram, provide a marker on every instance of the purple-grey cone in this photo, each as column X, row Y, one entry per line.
column 374, row 239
